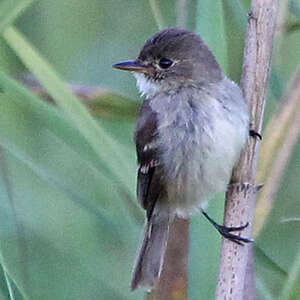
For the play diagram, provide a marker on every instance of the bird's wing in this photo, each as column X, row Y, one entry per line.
column 149, row 181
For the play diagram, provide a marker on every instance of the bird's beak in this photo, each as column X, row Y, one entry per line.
column 133, row 66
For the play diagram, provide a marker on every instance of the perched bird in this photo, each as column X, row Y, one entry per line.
column 192, row 127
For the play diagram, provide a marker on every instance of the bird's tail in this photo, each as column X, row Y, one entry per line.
column 149, row 262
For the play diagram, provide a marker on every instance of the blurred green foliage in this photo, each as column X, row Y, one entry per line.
column 69, row 223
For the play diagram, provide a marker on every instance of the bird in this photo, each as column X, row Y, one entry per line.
column 191, row 129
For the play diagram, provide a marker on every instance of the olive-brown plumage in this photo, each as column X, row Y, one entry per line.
column 191, row 129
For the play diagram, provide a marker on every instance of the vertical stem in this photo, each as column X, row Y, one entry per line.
column 182, row 13
column 157, row 14
column 241, row 195
column 249, row 287
column 174, row 278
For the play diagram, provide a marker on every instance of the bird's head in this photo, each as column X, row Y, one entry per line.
column 173, row 58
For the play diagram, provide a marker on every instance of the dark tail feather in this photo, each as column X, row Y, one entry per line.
column 150, row 259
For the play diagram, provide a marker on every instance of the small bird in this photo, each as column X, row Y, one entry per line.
column 192, row 127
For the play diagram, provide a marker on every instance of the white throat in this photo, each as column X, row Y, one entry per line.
column 146, row 86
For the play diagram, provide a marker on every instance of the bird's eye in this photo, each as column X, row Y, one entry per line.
column 165, row 63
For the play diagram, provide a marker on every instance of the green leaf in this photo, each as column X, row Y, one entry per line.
column 293, row 280
column 60, row 217
column 205, row 244
column 99, row 140
column 210, row 25
column 235, row 21
column 10, row 10
column 269, row 275
column 22, row 139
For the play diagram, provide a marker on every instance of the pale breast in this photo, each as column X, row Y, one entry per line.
column 200, row 143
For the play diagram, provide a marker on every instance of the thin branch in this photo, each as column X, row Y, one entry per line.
column 173, row 283
column 241, row 195
column 249, row 287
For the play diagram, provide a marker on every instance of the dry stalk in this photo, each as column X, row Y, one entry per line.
column 174, row 279
column 241, row 195
column 182, row 13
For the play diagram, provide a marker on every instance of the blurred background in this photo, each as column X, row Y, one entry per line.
column 69, row 222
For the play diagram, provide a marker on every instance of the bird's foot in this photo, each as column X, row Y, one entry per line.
column 254, row 133
column 226, row 231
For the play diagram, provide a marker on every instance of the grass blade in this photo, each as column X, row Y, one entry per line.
column 77, row 113
column 10, row 10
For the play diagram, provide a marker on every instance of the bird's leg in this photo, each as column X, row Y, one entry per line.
column 226, row 231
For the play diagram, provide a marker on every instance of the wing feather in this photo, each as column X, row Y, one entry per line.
column 149, row 183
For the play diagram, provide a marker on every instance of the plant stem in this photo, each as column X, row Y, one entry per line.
column 241, row 194
column 174, row 282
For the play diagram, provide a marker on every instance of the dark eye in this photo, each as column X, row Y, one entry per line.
column 165, row 63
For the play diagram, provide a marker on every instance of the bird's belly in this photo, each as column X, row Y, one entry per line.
column 196, row 182
column 199, row 166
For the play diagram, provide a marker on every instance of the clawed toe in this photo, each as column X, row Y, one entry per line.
column 226, row 231
column 254, row 133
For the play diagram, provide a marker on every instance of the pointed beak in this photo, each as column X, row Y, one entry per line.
column 132, row 66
